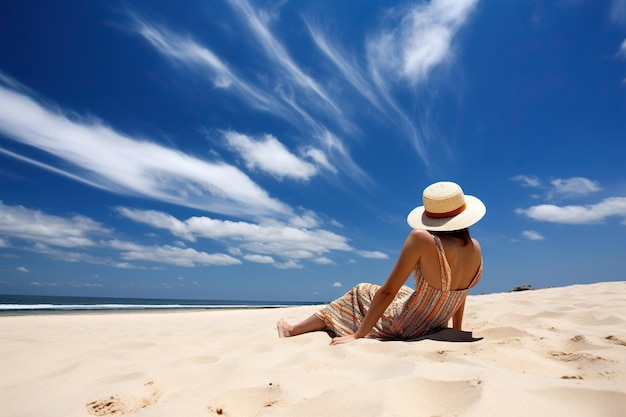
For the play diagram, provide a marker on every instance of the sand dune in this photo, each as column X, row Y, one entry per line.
column 552, row 352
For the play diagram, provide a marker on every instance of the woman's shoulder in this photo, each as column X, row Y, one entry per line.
column 476, row 245
column 421, row 235
column 419, row 238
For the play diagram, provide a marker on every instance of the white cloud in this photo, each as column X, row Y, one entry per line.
column 308, row 220
column 422, row 39
column 323, row 261
column 22, row 269
column 282, row 100
column 118, row 163
column 3, row 242
column 269, row 155
column 528, row 181
column 261, row 259
column 271, row 238
column 234, row 251
column 415, row 40
column 173, row 255
column 532, row 235
column 320, row 158
column 561, row 187
column 574, row 186
column 184, row 49
column 34, row 226
column 158, row 219
column 71, row 256
column 337, row 285
column 372, row 254
column 573, row 214
column 52, row 235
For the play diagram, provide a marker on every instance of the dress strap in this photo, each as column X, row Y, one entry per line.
column 446, row 275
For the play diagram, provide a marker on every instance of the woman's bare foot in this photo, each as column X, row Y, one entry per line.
column 284, row 328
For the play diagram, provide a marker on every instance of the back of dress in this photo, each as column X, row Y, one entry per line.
column 428, row 309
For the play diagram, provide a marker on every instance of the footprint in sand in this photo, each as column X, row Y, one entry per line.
column 118, row 405
column 107, row 406
column 615, row 340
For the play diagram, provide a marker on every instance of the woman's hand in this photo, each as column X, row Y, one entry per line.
column 343, row 339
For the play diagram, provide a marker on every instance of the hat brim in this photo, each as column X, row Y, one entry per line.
column 474, row 211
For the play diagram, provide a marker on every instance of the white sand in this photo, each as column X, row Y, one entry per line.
column 553, row 352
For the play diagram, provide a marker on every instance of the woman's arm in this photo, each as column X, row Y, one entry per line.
column 408, row 258
column 457, row 318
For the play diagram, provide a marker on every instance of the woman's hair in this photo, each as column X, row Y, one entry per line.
column 462, row 234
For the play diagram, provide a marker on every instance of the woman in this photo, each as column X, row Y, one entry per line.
column 446, row 263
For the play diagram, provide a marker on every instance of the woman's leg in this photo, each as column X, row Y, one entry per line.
column 312, row 324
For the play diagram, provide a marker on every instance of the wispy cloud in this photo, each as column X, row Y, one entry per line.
column 59, row 237
column 173, row 255
column 413, row 46
column 532, row 235
column 122, row 164
column 270, row 156
column 275, row 50
column 372, row 86
column 22, row 269
column 414, row 41
column 350, row 70
column 183, row 49
column 38, row 227
column 340, row 156
column 269, row 239
column 528, row 181
column 278, row 98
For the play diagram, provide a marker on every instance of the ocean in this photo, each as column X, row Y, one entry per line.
column 35, row 304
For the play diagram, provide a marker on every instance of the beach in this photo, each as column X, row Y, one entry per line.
column 547, row 352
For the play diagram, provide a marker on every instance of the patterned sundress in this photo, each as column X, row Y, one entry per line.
column 411, row 314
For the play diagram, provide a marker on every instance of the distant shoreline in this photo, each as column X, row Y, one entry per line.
column 19, row 305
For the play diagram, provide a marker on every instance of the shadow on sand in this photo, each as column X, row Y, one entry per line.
column 448, row 335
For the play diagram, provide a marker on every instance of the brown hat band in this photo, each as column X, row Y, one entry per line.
column 446, row 214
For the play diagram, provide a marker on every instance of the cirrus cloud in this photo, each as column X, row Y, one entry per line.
column 122, row 164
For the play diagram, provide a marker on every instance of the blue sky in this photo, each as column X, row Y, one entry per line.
column 234, row 149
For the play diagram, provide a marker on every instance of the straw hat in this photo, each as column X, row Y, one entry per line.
column 446, row 208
